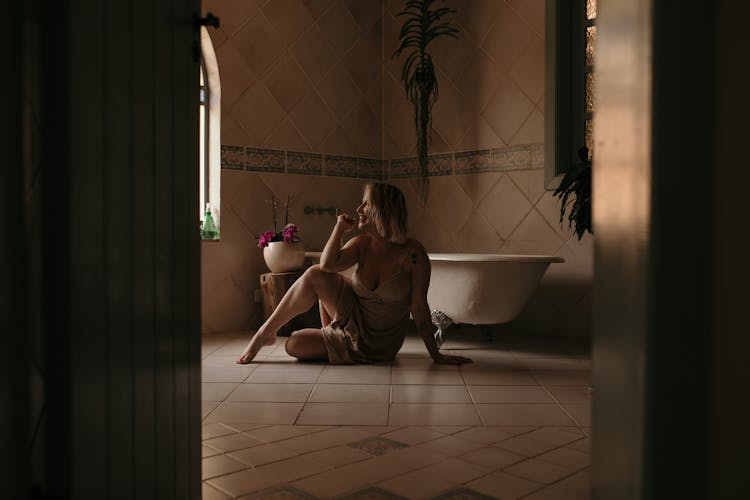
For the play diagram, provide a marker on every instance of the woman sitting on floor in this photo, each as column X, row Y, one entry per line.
column 366, row 318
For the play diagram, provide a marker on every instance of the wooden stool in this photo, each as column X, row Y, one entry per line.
column 274, row 286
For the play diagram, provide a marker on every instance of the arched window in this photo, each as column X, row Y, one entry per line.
column 209, row 138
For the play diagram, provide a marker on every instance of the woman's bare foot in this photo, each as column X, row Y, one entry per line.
column 259, row 340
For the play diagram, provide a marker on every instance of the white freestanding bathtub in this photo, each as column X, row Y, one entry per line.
column 482, row 289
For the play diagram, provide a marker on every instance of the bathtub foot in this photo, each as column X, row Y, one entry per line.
column 442, row 322
column 488, row 334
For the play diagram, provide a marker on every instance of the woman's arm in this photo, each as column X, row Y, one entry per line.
column 336, row 256
column 420, row 311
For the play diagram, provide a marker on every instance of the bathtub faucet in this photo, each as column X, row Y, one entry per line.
column 309, row 209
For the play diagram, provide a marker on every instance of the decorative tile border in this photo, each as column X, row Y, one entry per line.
column 233, row 157
column 370, row 168
column 264, row 160
column 304, row 163
column 473, row 162
column 340, row 166
column 523, row 157
column 440, row 164
column 402, row 168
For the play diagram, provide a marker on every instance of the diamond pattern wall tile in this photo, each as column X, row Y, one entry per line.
column 531, row 183
column 366, row 14
column 285, row 137
column 532, row 12
column 232, row 13
column 287, row 83
column 232, row 62
column 479, row 80
column 360, row 59
column 399, row 131
column 508, row 38
column 505, row 207
column 528, row 71
column 534, row 236
column 231, row 131
column 448, row 204
column 338, row 141
column 532, row 130
column 317, row 7
column 451, row 116
column 314, row 54
column 313, row 120
column 339, row 91
column 507, row 109
column 391, row 27
column 478, row 236
column 258, row 113
column 478, row 17
column 549, row 207
column 359, row 126
column 454, row 53
column 339, row 27
column 259, row 43
column 289, row 18
column 476, row 186
column 480, row 136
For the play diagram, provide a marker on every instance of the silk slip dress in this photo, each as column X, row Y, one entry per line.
column 369, row 325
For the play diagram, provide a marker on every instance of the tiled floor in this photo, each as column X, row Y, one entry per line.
column 514, row 424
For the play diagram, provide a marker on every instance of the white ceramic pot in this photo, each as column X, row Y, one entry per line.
column 283, row 257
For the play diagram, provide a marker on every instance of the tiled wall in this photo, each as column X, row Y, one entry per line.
column 486, row 179
column 301, row 75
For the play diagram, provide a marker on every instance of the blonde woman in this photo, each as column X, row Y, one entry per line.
column 366, row 318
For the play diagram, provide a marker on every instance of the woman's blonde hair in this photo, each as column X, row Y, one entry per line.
column 388, row 212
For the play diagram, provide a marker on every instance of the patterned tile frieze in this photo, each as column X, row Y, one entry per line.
column 440, row 164
column 265, row 160
column 341, row 166
column 403, row 168
column 233, row 157
column 304, row 163
column 473, row 162
column 523, row 157
column 370, row 168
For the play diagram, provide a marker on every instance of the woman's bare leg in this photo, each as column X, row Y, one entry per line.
column 313, row 284
column 307, row 345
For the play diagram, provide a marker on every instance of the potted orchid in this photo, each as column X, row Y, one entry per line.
column 282, row 250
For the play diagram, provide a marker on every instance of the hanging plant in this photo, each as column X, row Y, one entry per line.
column 577, row 182
column 422, row 25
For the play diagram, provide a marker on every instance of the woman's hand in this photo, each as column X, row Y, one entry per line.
column 447, row 359
column 346, row 222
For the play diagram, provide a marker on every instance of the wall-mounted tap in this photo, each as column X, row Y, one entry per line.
column 309, row 209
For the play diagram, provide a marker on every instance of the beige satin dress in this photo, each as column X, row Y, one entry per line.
column 369, row 325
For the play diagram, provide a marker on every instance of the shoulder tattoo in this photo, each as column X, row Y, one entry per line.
column 413, row 257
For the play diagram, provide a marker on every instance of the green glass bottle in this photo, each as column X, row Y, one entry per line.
column 209, row 231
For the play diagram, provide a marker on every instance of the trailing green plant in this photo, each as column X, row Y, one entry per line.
column 577, row 182
column 421, row 26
